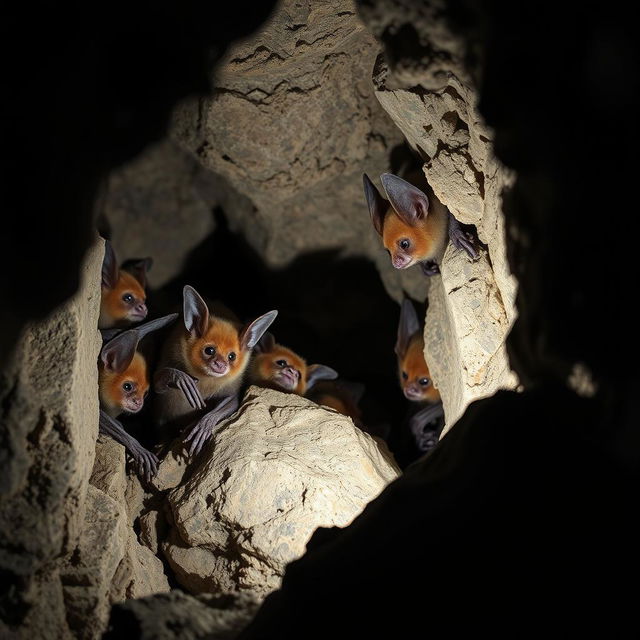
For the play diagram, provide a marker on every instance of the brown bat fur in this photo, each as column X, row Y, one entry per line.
column 110, row 385
column 413, row 364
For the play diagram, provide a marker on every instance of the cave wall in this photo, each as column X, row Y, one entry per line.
column 422, row 82
column 291, row 125
column 48, row 429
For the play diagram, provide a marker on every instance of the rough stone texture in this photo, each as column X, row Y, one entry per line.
column 433, row 101
column 48, row 429
column 306, row 125
column 177, row 614
column 108, row 564
column 147, row 200
column 172, row 467
column 272, row 474
column 139, row 572
column 88, row 575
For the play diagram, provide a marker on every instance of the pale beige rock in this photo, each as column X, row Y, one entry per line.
column 153, row 529
column 306, row 125
column 173, row 465
column 273, row 473
column 49, row 427
column 471, row 305
column 88, row 574
column 147, row 200
column 140, row 574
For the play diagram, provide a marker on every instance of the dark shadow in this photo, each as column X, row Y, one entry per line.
column 331, row 310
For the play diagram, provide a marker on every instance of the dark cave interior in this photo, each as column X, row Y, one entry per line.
column 521, row 521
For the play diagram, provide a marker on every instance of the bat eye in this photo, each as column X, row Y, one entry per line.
column 281, row 363
column 405, row 243
column 128, row 298
column 424, row 381
column 127, row 386
column 404, row 375
column 232, row 356
column 209, row 350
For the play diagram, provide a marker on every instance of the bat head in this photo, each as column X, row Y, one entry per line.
column 123, row 299
column 281, row 368
column 216, row 347
column 122, row 378
column 414, row 376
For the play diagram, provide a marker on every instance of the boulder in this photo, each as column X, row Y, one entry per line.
column 270, row 476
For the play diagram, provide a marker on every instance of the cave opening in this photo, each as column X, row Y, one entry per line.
column 230, row 146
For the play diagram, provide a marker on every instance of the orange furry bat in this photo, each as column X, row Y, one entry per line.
column 415, row 378
column 123, row 300
column 414, row 224
column 201, row 368
column 123, row 384
column 277, row 367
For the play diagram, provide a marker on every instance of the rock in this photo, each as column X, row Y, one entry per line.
column 301, row 87
column 273, row 473
column 140, row 574
column 89, row 572
column 147, row 200
column 433, row 102
column 177, row 614
column 48, row 430
column 173, row 466
column 109, row 564
column 153, row 528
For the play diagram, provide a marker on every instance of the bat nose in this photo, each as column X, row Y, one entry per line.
column 292, row 371
column 141, row 308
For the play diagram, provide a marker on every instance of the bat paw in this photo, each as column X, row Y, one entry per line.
column 430, row 268
column 465, row 241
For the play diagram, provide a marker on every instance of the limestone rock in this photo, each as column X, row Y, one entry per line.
column 89, row 572
column 272, row 474
column 147, row 200
column 173, row 466
column 306, row 126
column 177, row 614
column 48, row 429
column 432, row 99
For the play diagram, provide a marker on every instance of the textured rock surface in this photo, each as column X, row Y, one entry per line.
column 48, row 431
column 306, row 125
column 139, row 571
column 276, row 471
column 177, row 614
column 147, row 200
column 433, row 101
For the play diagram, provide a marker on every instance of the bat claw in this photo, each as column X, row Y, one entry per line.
column 430, row 268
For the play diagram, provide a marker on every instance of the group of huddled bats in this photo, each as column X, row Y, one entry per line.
column 209, row 355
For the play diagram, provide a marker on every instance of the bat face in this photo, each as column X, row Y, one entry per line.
column 218, row 352
column 125, row 301
column 415, row 378
column 283, row 369
column 124, row 392
column 406, row 244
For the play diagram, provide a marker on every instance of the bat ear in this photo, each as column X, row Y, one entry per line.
column 317, row 372
column 109, row 267
column 378, row 206
column 138, row 268
column 408, row 201
column 153, row 325
column 252, row 333
column 266, row 343
column 196, row 312
column 118, row 353
column 407, row 326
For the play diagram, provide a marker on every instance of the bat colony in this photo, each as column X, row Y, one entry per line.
column 208, row 355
